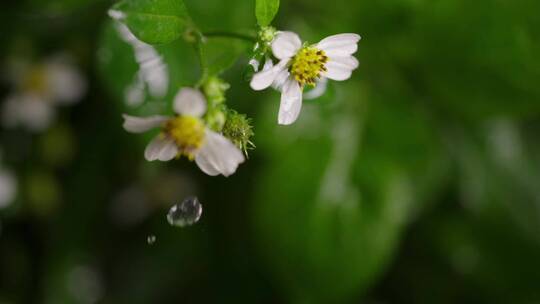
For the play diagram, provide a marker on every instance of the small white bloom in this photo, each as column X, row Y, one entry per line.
column 28, row 110
column 186, row 134
column 153, row 73
column 8, row 187
column 300, row 65
column 64, row 82
column 38, row 89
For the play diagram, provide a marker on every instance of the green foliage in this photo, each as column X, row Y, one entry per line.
column 154, row 21
column 342, row 189
column 265, row 11
column 219, row 54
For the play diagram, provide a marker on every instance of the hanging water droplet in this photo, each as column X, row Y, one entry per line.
column 186, row 213
column 151, row 239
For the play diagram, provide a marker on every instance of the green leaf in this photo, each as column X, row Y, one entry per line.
column 219, row 54
column 266, row 10
column 153, row 21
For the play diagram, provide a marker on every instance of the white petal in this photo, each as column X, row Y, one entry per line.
column 204, row 161
column 37, row 114
column 349, row 62
column 160, row 148
column 28, row 110
column 116, row 15
column 266, row 77
column 254, row 64
column 135, row 124
column 8, row 188
column 10, row 111
column 280, row 80
column 190, row 102
column 291, row 102
column 319, row 90
column 218, row 155
column 65, row 83
column 337, row 71
column 268, row 64
column 339, row 45
column 285, row 45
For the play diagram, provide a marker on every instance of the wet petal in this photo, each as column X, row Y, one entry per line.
column 291, row 102
column 160, row 148
column 190, row 102
column 285, row 45
column 218, row 155
column 339, row 45
column 135, row 124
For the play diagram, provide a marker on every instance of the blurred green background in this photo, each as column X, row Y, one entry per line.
column 416, row 181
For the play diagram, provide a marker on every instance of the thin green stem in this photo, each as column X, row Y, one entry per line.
column 245, row 37
column 198, row 49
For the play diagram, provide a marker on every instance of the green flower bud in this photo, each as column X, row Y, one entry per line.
column 266, row 35
column 216, row 117
column 238, row 129
column 214, row 89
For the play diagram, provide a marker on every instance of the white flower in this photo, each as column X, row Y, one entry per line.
column 153, row 73
column 186, row 134
column 28, row 110
column 38, row 89
column 301, row 65
column 8, row 186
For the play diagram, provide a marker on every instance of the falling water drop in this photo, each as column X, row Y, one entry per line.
column 186, row 213
column 151, row 239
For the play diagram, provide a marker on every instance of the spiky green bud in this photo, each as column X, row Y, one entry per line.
column 238, row 129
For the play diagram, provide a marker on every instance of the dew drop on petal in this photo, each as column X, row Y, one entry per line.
column 186, row 213
column 151, row 239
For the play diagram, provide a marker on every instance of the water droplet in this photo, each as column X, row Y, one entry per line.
column 151, row 239
column 186, row 213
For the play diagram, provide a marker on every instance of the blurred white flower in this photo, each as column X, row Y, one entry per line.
column 8, row 186
column 38, row 89
column 27, row 110
column 186, row 134
column 301, row 65
column 153, row 73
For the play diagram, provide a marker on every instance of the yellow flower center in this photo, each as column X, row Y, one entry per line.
column 36, row 81
column 308, row 64
column 187, row 132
